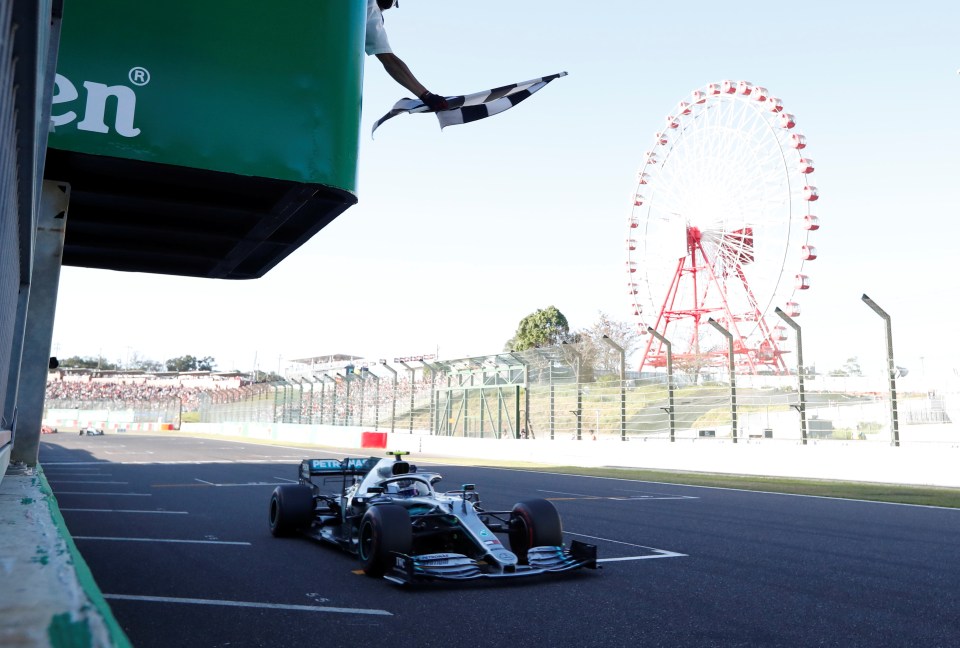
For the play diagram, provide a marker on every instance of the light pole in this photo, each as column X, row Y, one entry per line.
column 376, row 400
column 671, row 412
column 579, row 411
column 333, row 401
column 393, row 400
column 434, row 370
column 733, row 376
column 623, row 385
column 412, row 374
column 891, row 369
column 802, row 405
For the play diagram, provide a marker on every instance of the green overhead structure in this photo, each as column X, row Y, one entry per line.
column 206, row 139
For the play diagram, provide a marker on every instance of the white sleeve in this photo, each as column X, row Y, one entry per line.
column 376, row 42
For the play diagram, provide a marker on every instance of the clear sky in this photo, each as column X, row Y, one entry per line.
column 459, row 234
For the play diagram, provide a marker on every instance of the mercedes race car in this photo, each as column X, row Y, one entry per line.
column 389, row 514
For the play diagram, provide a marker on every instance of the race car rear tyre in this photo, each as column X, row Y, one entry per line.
column 384, row 529
column 534, row 523
column 291, row 508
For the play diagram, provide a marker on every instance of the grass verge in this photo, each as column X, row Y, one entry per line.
column 876, row 492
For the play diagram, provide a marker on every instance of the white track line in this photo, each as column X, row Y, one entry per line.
column 207, row 483
column 90, row 510
column 85, row 481
column 246, row 604
column 165, row 540
column 620, row 498
column 660, row 553
column 76, row 463
column 59, row 493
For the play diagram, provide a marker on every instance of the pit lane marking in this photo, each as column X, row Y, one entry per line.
column 658, row 553
column 247, row 604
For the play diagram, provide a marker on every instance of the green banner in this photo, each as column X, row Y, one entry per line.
column 265, row 89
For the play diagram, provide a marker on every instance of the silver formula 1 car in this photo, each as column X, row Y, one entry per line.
column 390, row 515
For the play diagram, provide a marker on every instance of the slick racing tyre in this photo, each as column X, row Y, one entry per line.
column 534, row 523
column 384, row 529
column 291, row 508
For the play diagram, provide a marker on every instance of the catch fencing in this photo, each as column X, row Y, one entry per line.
column 537, row 394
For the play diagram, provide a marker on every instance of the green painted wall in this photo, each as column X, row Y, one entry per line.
column 267, row 89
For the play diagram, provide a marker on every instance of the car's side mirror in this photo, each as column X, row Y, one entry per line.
column 435, row 479
column 469, row 488
column 375, row 490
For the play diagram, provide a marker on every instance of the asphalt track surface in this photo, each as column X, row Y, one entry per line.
column 175, row 533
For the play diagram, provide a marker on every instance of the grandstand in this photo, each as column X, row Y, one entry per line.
column 76, row 398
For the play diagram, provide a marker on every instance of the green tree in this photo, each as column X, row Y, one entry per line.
column 190, row 363
column 89, row 362
column 265, row 377
column 542, row 328
column 206, row 363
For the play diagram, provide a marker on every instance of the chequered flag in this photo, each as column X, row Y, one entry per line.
column 469, row 108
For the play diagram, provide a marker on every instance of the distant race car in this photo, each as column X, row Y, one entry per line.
column 91, row 431
column 46, row 429
column 387, row 513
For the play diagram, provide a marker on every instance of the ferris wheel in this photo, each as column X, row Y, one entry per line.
column 720, row 227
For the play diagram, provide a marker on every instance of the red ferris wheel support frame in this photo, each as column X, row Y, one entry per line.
column 690, row 268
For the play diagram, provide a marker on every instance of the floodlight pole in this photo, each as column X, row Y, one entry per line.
column 435, row 369
column 525, row 424
column 733, row 376
column 412, row 373
column 393, row 400
column 579, row 410
column 363, row 393
column 333, row 404
column 623, row 384
column 376, row 400
column 346, row 382
column 891, row 369
column 802, row 405
column 671, row 412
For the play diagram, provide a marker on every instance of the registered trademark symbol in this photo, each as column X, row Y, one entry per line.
column 139, row 76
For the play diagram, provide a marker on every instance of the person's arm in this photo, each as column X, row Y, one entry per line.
column 397, row 69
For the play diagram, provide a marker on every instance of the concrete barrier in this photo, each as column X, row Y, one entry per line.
column 48, row 596
column 917, row 464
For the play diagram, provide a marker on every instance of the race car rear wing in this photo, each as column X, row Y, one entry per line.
column 336, row 467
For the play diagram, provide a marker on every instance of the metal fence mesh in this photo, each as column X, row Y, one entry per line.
column 537, row 394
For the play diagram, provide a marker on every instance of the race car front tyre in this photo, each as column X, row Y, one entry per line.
column 291, row 508
column 384, row 529
column 534, row 523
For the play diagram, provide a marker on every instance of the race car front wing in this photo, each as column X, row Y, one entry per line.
column 457, row 567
